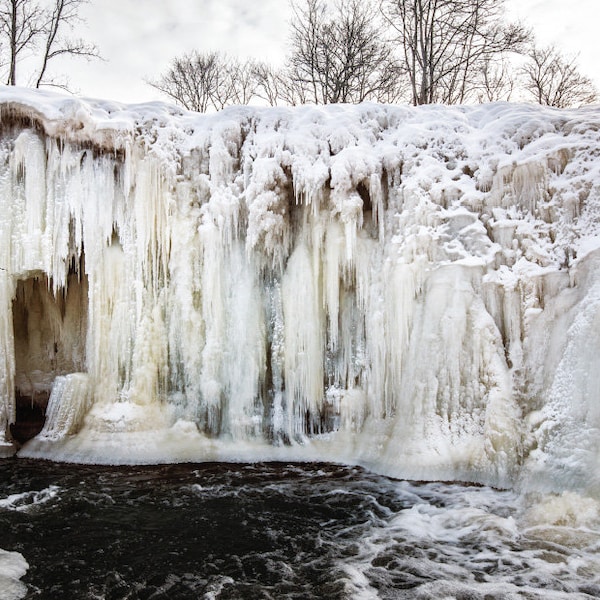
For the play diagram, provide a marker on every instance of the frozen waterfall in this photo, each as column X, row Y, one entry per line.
column 416, row 290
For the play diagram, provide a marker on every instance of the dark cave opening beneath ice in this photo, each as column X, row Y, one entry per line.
column 49, row 328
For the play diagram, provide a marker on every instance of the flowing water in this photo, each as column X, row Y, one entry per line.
column 284, row 531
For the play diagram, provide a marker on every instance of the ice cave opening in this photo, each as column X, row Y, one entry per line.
column 49, row 329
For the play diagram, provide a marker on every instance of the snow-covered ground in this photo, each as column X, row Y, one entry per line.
column 413, row 289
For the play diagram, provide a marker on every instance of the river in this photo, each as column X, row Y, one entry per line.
column 285, row 531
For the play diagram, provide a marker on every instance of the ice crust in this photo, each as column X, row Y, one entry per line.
column 413, row 289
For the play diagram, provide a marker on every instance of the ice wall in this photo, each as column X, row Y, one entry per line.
column 412, row 289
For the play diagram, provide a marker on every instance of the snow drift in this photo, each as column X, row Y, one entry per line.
column 413, row 289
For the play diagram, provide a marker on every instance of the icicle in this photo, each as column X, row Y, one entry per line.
column 68, row 404
column 303, row 316
column 7, row 356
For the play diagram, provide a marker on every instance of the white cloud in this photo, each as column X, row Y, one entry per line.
column 138, row 39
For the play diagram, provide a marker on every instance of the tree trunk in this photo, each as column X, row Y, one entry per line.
column 12, row 80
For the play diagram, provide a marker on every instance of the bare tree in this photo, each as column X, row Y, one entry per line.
column 553, row 79
column 191, row 80
column 21, row 24
column 267, row 82
column 445, row 44
column 28, row 28
column 201, row 81
column 64, row 14
column 236, row 83
column 338, row 55
column 272, row 85
column 497, row 81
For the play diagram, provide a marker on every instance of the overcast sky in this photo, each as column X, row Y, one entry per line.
column 138, row 38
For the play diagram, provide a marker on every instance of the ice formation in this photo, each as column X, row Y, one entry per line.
column 413, row 289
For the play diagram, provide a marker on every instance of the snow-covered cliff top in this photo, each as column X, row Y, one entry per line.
column 460, row 157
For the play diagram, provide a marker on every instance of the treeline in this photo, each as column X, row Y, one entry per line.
column 415, row 51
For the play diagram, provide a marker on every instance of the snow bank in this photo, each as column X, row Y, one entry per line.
column 413, row 289
column 12, row 567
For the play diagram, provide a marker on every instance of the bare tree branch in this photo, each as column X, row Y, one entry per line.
column 446, row 44
column 338, row 55
column 190, row 80
column 553, row 79
column 30, row 28
column 63, row 14
column 21, row 25
column 497, row 81
column 269, row 83
column 201, row 81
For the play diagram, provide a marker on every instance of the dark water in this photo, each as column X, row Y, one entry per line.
column 271, row 531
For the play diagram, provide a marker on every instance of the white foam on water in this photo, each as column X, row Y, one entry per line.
column 481, row 543
column 27, row 501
